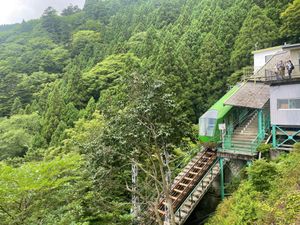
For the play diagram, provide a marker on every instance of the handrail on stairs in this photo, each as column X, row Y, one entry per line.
column 200, row 183
column 228, row 136
column 181, row 197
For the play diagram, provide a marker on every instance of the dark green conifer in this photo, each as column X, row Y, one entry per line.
column 16, row 107
column 258, row 31
column 55, row 111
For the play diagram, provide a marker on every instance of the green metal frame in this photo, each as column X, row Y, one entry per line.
column 222, row 189
column 289, row 137
column 263, row 128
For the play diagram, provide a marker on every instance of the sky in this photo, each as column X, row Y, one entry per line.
column 14, row 11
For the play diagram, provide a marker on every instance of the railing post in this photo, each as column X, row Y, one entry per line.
column 222, row 178
column 274, row 136
column 260, row 124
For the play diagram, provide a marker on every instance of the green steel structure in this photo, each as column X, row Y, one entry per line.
column 222, row 189
column 290, row 136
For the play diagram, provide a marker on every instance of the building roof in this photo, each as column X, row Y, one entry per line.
column 291, row 46
column 286, row 46
column 250, row 95
column 267, row 49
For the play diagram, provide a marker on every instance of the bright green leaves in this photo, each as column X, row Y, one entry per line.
column 84, row 40
column 17, row 134
column 262, row 173
column 41, row 192
column 270, row 196
column 106, row 73
column 291, row 20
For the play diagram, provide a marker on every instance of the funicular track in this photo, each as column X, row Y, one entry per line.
column 187, row 186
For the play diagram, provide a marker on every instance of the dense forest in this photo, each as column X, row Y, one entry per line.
column 87, row 93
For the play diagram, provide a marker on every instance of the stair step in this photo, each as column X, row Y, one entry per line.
column 182, row 184
column 185, row 209
column 241, row 151
column 172, row 197
column 188, row 178
column 245, row 144
column 244, row 136
column 198, row 168
column 243, row 139
column 193, row 173
column 177, row 190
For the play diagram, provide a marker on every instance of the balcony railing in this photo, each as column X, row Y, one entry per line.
column 273, row 76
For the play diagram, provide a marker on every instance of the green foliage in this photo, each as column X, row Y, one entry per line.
column 56, row 107
column 239, row 75
column 16, row 107
column 261, row 175
column 270, row 196
column 17, row 134
column 211, row 70
column 264, row 148
column 106, row 73
column 84, row 40
column 119, row 80
column 291, row 18
column 70, row 10
column 258, row 31
column 42, row 192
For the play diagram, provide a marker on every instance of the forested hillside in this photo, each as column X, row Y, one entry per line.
column 87, row 93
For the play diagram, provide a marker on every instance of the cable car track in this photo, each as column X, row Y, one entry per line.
column 185, row 185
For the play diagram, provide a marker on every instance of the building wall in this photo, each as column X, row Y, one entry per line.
column 284, row 117
column 295, row 56
column 260, row 57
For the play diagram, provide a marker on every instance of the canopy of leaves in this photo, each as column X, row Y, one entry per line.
column 291, row 20
column 258, row 31
column 85, row 93
column 270, row 196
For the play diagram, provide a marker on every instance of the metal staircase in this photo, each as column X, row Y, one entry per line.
column 244, row 138
column 190, row 185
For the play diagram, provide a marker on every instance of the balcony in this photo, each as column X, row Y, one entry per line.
column 274, row 77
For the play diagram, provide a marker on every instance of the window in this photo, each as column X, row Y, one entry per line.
column 288, row 104
column 282, row 103
column 207, row 123
column 294, row 104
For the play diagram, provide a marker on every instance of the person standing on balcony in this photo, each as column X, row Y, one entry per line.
column 289, row 67
column 280, row 69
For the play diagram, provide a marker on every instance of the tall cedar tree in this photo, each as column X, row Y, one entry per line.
column 258, row 31
column 291, row 22
column 209, row 82
column 55, row 111
column 171, row 68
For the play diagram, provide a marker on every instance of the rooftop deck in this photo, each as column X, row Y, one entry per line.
column 274, row 78
column 271, row 76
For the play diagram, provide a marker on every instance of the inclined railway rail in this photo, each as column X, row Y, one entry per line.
column 186, row 184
